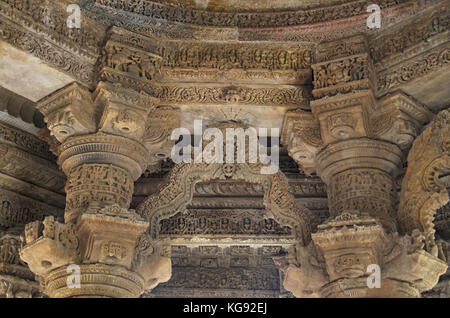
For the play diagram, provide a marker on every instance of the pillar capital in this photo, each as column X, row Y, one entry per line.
column 100, row 139
column 399, row 119
column 103, row 148
column 69, row 112
column 301, row 134
column 109, row 235
column 358, row 153
column 106, row 247
column 345, row 105
column 344, row 252
column 349, row 243
column 123, row 111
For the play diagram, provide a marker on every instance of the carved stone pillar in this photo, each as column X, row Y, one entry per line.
column 356, row 144
column 102, row 153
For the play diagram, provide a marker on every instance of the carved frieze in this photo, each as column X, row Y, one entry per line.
column 181, row 94
column 15, row 287
column 227, row 223
column 129, row 61
column 236, row 56
column 50, row 18
column 229, row 278
column 16, row 280
column 342, row 76
column 16, row 209
column 25, row 141
column 399, row 39
column 343, row 48
column 216, row 268
column 30, row 168
column 55, row 56
column 414, row 68
column 244, row 19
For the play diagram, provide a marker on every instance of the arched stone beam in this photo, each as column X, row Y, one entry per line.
column 179, row 191
column 424, row 185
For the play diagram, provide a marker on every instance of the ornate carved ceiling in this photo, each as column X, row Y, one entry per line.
column 228, row 60
column 251, row 5
column 239, row 61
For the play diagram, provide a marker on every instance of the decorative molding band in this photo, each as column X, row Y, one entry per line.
column 286, row 96
column 419, row 66
column 16, row 209
column 57, row 57
column 246, row 19
column 49, row 18
column 214, row 224
column 30, row 168
column 399, row 38
column 33, row 191
column 25, row 141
